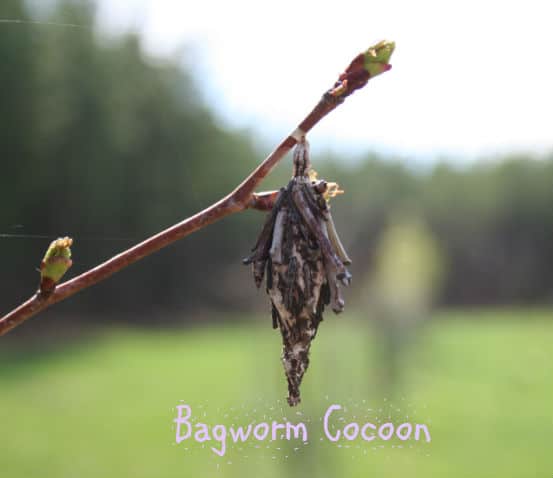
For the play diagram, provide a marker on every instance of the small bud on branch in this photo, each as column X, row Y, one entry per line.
column 54, row 265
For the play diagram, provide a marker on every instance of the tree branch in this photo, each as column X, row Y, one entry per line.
column 365, row 66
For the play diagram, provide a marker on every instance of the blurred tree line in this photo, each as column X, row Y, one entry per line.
column 100, row 142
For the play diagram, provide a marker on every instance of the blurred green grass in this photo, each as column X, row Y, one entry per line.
column 481, row 380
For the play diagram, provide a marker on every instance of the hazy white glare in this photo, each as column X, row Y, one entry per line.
column 469, row 78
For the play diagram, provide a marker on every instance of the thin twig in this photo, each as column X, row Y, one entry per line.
column 365, row 66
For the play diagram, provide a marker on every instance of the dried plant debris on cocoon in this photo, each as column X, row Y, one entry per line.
column 304, row 262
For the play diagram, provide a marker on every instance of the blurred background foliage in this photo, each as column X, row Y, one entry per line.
column 105, row 144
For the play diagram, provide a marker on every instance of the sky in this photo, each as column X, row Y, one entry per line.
column 470, row 79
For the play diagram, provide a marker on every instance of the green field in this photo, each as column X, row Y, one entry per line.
column 103, row 407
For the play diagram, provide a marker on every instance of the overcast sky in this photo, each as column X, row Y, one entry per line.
column 469, row 78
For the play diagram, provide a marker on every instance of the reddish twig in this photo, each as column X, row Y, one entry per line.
column 365, row 66
column 262, row 201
